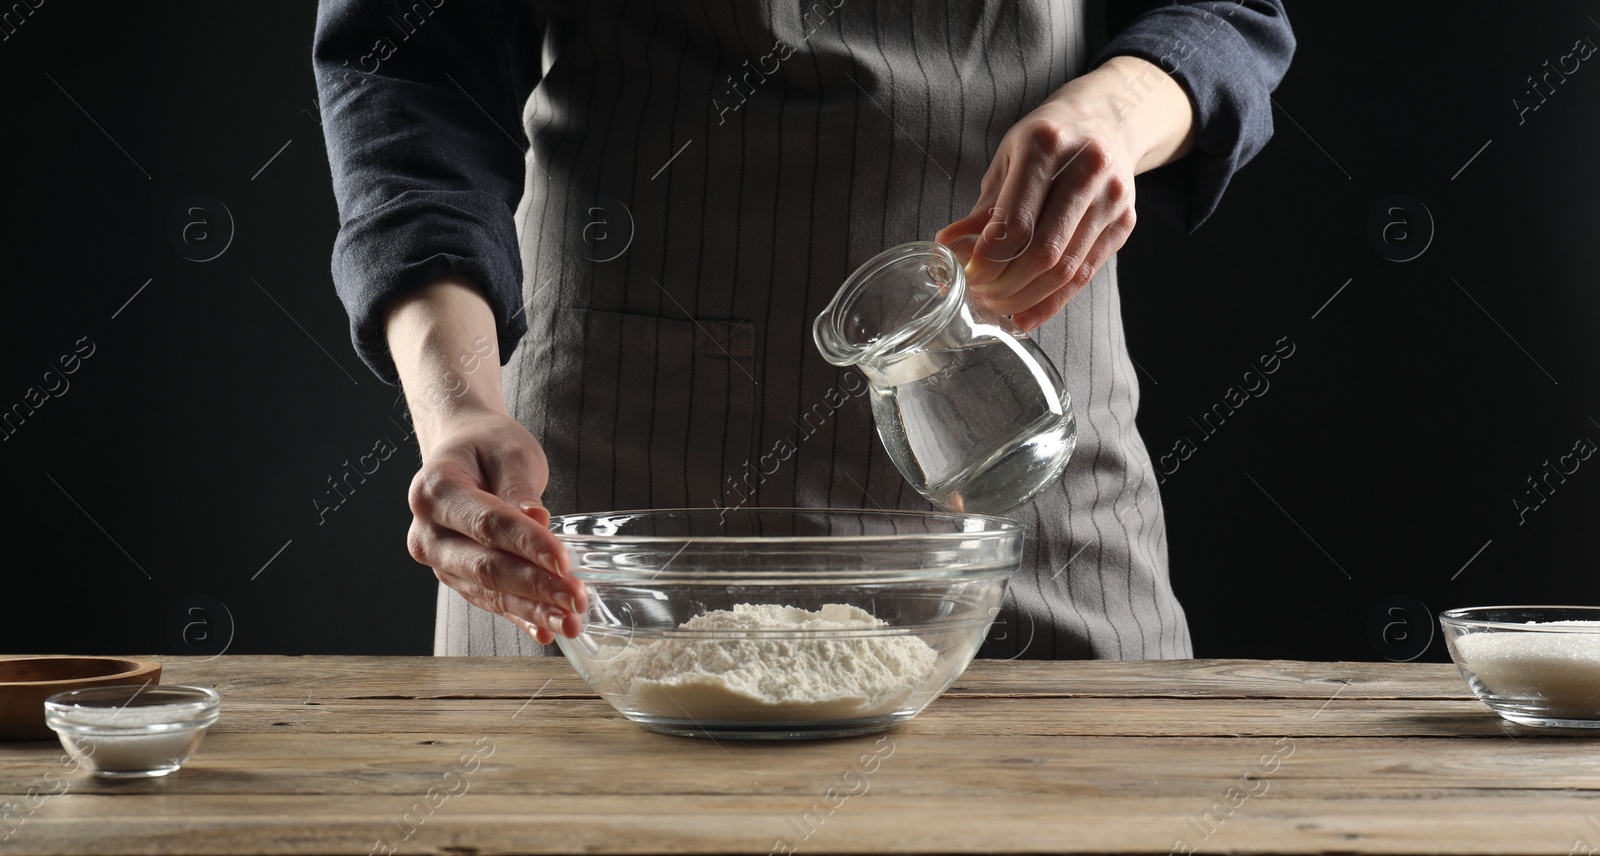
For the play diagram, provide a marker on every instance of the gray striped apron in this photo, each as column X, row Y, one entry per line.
column 700, row 183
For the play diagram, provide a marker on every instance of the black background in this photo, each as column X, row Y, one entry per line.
column 164, row 502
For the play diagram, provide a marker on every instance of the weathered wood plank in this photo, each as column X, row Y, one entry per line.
column 871, row 822
column 945, row 769
column 513, row 677
column 959, row 716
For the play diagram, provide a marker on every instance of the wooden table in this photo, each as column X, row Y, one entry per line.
column 502, row 755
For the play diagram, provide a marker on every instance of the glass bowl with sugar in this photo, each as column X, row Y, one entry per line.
column 1532, row 665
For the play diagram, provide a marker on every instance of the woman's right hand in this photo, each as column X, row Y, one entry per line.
column 479, row 522
column 480, row 525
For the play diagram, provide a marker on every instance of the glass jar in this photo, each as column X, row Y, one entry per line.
column 971, row 411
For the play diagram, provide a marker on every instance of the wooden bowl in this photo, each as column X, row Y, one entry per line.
column 25, row 682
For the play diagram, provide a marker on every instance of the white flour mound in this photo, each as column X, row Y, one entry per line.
column 765, row 679
column 1563, row 669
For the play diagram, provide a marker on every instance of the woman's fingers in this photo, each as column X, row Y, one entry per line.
column 971, row 224
column 1009, row 231
column 979, row 217
column 517, row 473
column 1045, row 309
column 441, row 493
column 1057, row 203
column 1055, row 253
column 530, row 616
column 1047, row 159
column 1109, row 241
column 1100, row 233
column 497, row 581
column 1049, row 293
column 1045, row 285
column 536, row 510
column 499, row 570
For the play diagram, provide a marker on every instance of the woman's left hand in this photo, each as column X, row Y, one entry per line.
column 1057, row 202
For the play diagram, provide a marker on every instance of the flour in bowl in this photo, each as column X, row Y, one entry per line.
column 752, row 678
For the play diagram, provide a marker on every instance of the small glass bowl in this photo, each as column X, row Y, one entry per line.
column 131, row 732
column 1533, row 665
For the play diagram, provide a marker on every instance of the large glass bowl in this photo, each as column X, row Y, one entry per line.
column 876, row 614
column 1533, row 665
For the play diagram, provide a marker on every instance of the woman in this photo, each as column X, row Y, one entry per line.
column 638, row 208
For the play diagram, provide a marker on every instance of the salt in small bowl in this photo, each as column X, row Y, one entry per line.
column 123, row 732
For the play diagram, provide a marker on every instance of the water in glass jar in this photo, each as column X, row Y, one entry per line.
column 984, row 427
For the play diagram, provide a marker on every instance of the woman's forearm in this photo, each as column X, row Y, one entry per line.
column 479, row 520
column 444, row 343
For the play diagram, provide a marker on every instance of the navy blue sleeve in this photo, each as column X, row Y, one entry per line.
column 422, row 111
column 1228, row 55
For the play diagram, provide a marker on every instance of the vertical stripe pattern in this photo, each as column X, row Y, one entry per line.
column 802, row 140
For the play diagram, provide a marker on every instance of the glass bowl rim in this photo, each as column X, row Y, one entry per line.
column 202, row 702
column 151, row 729
column 888, row 631
column 1462, row 617
column 1002, row 527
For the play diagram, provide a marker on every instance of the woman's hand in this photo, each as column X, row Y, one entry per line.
column 481, row 527
column 1057, row 202
column 479, row 522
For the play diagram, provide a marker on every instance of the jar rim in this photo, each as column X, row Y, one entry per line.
column 828, row 330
